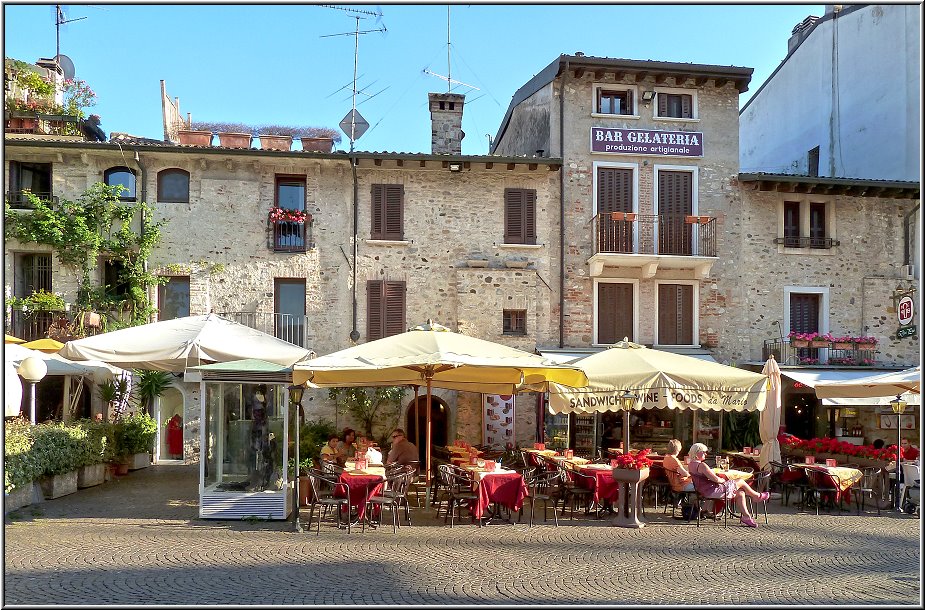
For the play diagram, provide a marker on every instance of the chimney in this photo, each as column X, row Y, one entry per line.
column 446, row 132
column 800, row 31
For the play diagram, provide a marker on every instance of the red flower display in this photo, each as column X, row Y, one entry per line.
column 633, row 462
column 278, row 215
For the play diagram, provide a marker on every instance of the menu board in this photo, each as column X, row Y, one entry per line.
column 498, row 420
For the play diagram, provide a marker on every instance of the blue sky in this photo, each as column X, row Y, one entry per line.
column 271, row 64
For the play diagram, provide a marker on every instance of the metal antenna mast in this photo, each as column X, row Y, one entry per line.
column 60, row 20
column 448, row 78
column 356, row 54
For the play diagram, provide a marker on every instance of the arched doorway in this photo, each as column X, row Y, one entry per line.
column 439, row 422
column 170, row 425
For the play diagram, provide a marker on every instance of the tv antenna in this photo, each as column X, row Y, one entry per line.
column 449, row 74
column 354, row 125
column 61, row 19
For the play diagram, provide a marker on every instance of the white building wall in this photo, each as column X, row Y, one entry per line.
column 851, row 88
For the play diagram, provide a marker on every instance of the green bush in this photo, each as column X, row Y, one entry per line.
column 313, row 435
column 20, row 464
column 59, row 447
column 98, row 447
column 134, row 434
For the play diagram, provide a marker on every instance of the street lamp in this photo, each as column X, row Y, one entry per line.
column 295, row 399
column 33, row 370
column 899, row 407
column 627, row 400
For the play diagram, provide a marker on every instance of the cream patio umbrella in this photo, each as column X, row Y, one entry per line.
column 875, row 386
column 660, row 380
column 431, row 355
column 769, row 423
column 176, row 345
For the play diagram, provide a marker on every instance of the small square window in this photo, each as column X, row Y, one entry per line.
column 515, row 322
column 614, row 102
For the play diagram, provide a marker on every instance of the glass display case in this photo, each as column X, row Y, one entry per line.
column 584, row 430
column 244, row 451
column 556, row 431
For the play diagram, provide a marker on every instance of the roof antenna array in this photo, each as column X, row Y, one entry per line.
column 353, row 124
column 61, row 19
column 447, row 78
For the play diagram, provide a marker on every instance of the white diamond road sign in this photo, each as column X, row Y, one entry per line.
column 356, row 120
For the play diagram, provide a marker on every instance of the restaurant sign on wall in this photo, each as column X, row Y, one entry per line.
column 646, row 142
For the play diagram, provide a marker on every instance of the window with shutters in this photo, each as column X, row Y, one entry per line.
column 804, row 312
column 124, row 177
column 676, row 191
column 385, row 309
column 31, row 273
column 388, row 209
column 615, row 312
column 675, row 104
column 519, row 216
column 807, row 226
column 614, row 191
column 611, row 100
column 514, row 322
column 676, row 316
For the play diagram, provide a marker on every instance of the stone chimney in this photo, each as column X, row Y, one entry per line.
column 800, row 31
column 446, row 132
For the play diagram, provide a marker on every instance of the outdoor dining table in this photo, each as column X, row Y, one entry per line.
column 363, row 484
column 605, row 488
column 500, row 487
column 846, row 476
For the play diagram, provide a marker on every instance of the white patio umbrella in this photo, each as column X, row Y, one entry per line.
column 875, row 386
column 769, row 422
column 176, row 345
column 12, row 390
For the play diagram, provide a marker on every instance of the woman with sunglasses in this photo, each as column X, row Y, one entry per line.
column 709, row 485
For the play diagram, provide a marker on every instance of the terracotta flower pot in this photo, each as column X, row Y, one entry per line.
column 843, row 345
column 818, row 344
column 190, row 137
column 234, row 140
column 866, row 345
column 799, row 343
column 323, row 145
column 275, row 142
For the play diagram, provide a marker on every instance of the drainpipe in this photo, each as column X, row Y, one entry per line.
column 354, row 334
column 562, row 209
column 907, row 254
column 144, row 198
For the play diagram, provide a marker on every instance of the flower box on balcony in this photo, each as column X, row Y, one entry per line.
column 323, row 145
column 799, row 343
column 866, row 345
column 691, row 220
column 843, row 345
column 234, row 140
column 194, row 137
column 817, row 343
column 275, row 142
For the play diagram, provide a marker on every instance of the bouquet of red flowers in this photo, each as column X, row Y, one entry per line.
column 633, row 462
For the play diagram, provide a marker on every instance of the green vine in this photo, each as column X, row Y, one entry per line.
column 98, row 223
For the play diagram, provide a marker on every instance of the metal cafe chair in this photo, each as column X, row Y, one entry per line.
column 760, row 482
column 543, row 486
column 458, row 489
column 323, row 489
column 870, row 485
column 393, row 497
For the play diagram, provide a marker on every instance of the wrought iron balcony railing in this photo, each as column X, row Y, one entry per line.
column 287, row 236
column 662, row 234
column 788, row 354
column 283, row 326
column 18, row 200
column 821, row 243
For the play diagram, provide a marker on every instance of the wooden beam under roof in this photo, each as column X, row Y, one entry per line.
column 489, row 165
column 511, row 166
column 579, row 71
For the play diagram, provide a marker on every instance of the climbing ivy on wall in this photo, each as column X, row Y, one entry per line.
column 96, row 224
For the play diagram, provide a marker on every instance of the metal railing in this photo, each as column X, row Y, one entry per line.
column 18, row 200
column 822, row 243
column 662, row 234
column 289, row 236
column 31, row 325
column 785, row 353
column 283, row 326
column 25, row 122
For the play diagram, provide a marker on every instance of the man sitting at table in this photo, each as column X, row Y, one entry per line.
column 403, row 451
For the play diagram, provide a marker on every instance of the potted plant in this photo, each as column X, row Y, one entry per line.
column 230, row 135
column 630, row 471
column 800, row 339
column 195, row 137
column 135, row 441
column 278, row 215
column 149, row 386
column 865, row 342
column 276, row 137
column 821, row 341
column 317, row 139
column 843, row 342
column 40, row 300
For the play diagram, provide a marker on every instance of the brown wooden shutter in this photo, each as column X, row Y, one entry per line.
column 394, row 211
column 675, row 201
column 614, row 312
column 614, row 190
column 529, row 216
column 675, row 314
column 687, row 107
column 377, row 229
column 519, row 216
column 394, row 310
column 374, row 319
column 792, row 224
column 817, row 225
column 662, row 99
column 804, row 313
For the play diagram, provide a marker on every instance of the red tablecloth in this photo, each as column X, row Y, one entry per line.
column 362, row 486
column 507, row 489
column 604, row 486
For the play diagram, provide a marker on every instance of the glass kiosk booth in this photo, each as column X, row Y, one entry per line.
column 244, row 446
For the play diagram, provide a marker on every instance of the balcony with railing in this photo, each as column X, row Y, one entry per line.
column 818, row 353
column 650, row 242
column 289, row 230
column 19, row 200
column 41, row 124
column 283, row 326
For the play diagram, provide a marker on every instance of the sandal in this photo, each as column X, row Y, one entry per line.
column 749, row 522
column 763, row 496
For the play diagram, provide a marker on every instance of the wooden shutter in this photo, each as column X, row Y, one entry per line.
column 687, row 107
column 614, row 190
column 385, row 309
column 817, row 225
column 675, row 201
column 15, row 186
column 614, row 312
column 387, row 213
column 792, row 224
column 519, row 216
column 662, row 99
column 675, row 314
column 804, row 313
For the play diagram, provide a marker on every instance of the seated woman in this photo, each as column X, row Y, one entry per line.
column 678, row 475
column 709, row 485
column 346, row 448
column 329, row 451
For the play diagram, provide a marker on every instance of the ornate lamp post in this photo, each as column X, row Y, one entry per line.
column 899, row 407
column 627, row 400
column 295, row 399
column 33, row 370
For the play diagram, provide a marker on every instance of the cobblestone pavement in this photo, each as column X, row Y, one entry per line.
column 138, row 540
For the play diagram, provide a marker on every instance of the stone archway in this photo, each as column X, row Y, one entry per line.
column 439, row 422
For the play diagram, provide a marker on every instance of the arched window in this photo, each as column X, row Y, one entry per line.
column 124, row 177
column 173, row 186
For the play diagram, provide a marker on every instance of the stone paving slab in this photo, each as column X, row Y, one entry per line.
column 138, row 540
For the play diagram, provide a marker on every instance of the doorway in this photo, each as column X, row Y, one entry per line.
column 800, row 414
column 439, row 420
column 170, row 425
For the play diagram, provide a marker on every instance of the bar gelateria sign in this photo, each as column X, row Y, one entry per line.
column 646, row 142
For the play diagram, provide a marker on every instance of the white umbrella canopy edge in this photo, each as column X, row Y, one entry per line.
column 875, row 386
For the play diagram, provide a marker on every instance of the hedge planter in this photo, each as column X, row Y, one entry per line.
column 90, row 475
column 191, row 137
column 19, row 497
column 59, row 485
column 273, row 142
column 138, row 461
column 234, row 140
